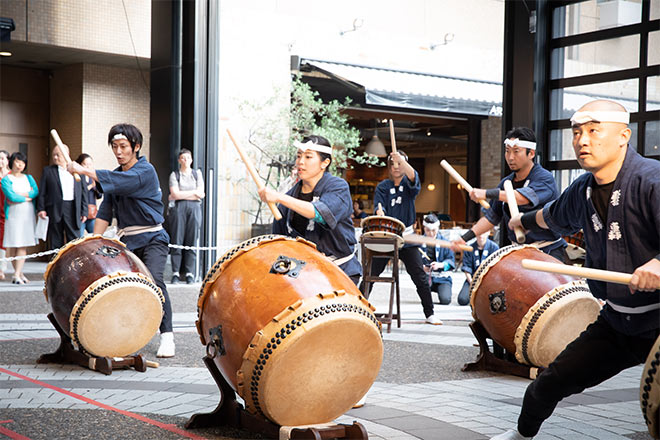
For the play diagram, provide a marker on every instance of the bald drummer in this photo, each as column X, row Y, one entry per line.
column 533, row 186
column 617, row 205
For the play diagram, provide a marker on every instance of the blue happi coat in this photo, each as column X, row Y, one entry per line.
column 628, row 238
column 539, row 188
column 472, row 260
column 331, row 197
column 442, row 255
column 398, row 201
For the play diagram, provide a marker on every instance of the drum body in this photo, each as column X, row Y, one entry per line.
column 103, row 296
column 532, row 314
column 289, row 330
column 649, row 391
column 380, row 226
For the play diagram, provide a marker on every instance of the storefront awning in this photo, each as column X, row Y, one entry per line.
column 402, row 89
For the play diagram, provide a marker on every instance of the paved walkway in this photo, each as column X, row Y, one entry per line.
column 420, row 392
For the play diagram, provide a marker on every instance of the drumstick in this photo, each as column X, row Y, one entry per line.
column 152, row 364
column 422, row 239
column 392, row 139
column 457, row 177
column 65, row 151
column 513, row 209
column 584, row 272
column 380, row 207
column 253, row 172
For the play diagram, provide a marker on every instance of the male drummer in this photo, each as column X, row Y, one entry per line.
column 132, row 195
column 534, row 186
column 617, row 205
column 395, row 197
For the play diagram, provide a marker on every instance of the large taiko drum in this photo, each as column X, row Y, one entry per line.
column 103, row 296
column 532, row 314
column 289, row 330
column 649, row 391
column 382, row 226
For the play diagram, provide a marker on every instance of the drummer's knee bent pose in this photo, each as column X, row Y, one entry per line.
column 395, row 197
column 617, row 205
column 318, row 207
column 132, row 195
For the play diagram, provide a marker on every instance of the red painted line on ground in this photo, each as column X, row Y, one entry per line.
column 166, row 426
column 11, row 434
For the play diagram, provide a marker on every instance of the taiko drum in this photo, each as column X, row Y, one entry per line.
column 382, row 226
column 532, row 314
column 649, row 391
column 103, row 296
column 289, row 331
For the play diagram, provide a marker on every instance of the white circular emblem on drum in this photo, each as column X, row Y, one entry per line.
column 117, row 315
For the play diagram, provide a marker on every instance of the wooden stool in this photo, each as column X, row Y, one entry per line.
column 368, row 279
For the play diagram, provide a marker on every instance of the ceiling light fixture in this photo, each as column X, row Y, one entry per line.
column 5, row 53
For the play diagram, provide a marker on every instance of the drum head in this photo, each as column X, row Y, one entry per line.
column 117, row 315
column 317, row 371
column 553, row 322
column 382, row 219
column 649, row 391
column 377, row 247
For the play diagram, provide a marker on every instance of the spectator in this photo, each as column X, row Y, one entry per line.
column 4, row 170
column 20, row 190
column 472, row 260
column 62, row 200
column 187, row 191
column 358, row 213
column 93, row 194
column 438, row 261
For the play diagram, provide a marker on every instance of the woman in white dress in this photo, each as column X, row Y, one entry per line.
column 20, row 189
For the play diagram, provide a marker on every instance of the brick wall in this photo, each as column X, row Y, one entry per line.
column 491, row 151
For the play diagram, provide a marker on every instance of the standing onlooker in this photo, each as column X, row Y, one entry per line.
column 93, row 194
column 187, row 191
column 471, row 261
column 4, row 170
column 62, row 200
column 20, row 190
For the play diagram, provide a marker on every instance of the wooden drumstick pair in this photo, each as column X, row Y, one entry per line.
column 65, row 151
column 584, row 272
column 255, row 176
column 422, row 239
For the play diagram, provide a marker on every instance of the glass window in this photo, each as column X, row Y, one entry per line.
column 653, row 93
column 655, row 9
column 565, row 177
column 561, row 145
column 593, row 15
column 595, row 57
column 652, row 139
column 654, row 48
column 564, row 102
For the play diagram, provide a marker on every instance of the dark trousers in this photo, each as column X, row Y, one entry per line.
column 598, row 354
column 185, row 224
column 464, row 294
column 412, row 258
column 154, row 256
column 444, row 292
column 64, row 230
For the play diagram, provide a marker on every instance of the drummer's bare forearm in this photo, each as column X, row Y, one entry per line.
column 100, row 226
column 306, row 209
column 482, row 226
column 409, row 171
column 520, row 199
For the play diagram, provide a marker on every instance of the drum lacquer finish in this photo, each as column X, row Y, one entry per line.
column 649, row 391
column 529, row 313
column 289, row 330
column 103, row 296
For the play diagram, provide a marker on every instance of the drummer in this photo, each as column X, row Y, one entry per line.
column 617, row 205
column 133, row 196
column 534, row 187
column 395, row 197
column 318, row 207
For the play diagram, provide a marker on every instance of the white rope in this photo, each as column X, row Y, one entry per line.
column 25, row 257
column 196, row 248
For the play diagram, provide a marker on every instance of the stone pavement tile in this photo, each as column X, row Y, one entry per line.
column 373, row 412
column 449, row 432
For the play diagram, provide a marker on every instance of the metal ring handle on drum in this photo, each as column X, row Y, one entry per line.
column 215, row 342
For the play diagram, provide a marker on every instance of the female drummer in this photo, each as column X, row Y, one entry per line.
column 318, row 207
column 132, row 195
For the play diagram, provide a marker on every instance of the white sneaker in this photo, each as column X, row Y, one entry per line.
column 433, row 320
column 166, row 349
column 511, row 434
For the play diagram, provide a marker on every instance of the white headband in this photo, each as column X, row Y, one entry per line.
column 119, row 136
column 516, row 141
column 434, row 225
column 580, row 118
column 309, row 145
